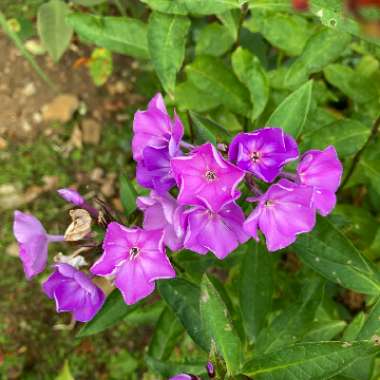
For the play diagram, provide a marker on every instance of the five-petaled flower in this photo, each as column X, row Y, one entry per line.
column 204, row 176
column 136, row 257
column 73, row 292
column 263, row 152
column 282, row 213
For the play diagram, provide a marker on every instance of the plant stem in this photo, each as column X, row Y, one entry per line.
column 15, row 38
column 358, row 155
column 120, row 7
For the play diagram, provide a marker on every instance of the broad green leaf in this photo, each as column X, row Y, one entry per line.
column 54, row 31
column 183, row 298
column 65, row 373
column 199, row 7
column 189, row 97
column 294, row 322
column 248, row 69
column 118, row 34
column 100, row 66
column 256, row 288
column 214, row 39
column 128, row 195
column 166, row 368
column 347, row 136
column 309, row 361
column 113, row 310
column 323, row 48
column 272, row 5
column 324, row 330
column 166, row 333
column 292, row 113
column 209, row 130
column 212, row 76
column 166, row 42
column 284, row 31
column 230, row 19
column 216, row 320
column 331, row 254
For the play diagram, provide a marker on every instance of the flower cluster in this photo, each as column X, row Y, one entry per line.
column 196, row 202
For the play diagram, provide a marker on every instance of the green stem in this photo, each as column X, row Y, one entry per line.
column 17, row 41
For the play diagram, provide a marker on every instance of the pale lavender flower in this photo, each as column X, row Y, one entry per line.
column 73, row 292
column 263, row 152
column 321, row 170
column 136, row 257
column 33, row 243
column 205, row 176
column 162, row 212
column 220, row 231
column 282, row 213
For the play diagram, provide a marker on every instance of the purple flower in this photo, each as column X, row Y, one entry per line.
column 220, row 232
column 162, row 212
column 33, row 243
column 184, row 376
column 136, row 257
column 263, row 152
column 283, row 212
column 156, row 140
column 72, row 196
column 205, row 176
column 323, row 171
column 73, row 292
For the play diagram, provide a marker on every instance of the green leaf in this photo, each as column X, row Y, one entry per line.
column 309, row 361
column 324, row 330
column 166, row 42
column 321, row 49
column 230, row 20
column 199, row 7
column 214, row 39
column 183, row 298
column 331, row 254
column 208, row 130
column 248, row 69
column 54, row 31
column 166, row 334
column 113, row 310
column 371, row 326
column 292, row 113
column 166, row 368
column 88, row 3
column 294, row 322
column 210, row 75
column 100, row 66
column 347, row 136
column 128, row 195
column 217, row 321
column 272, row 5
column 65, row 373
column 189, row 97
column 256, row 288
column 118, row 34
column 353, row 329
column 284, row 31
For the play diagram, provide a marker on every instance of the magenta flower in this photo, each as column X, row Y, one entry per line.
column 162, row 212
column 33, row 243
column 73, row 292
column 156, row 140
column 184, row 376
column 263, row 152
column 220, row 232
column 321, row 170
column 283, row 212
column 205, row 176
column 136, row 257
column 71, row 196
